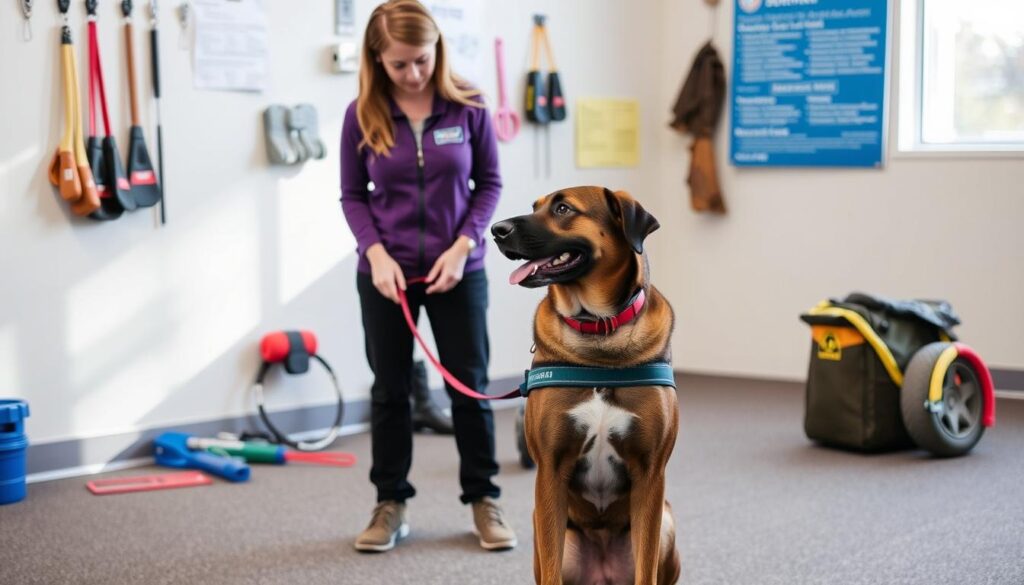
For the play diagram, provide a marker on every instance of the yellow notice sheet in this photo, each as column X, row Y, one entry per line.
column 607, row 133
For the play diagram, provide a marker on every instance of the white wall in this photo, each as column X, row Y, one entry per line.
column 109, row 328
column 921, row 227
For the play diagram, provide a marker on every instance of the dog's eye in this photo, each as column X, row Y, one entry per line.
column 562, row 209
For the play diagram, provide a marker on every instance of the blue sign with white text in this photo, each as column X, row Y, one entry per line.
column 809, row 82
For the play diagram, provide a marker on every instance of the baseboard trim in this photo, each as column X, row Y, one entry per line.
column 1006, row 379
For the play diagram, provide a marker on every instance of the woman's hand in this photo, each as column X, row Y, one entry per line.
column 386, row 273
column 447, row 271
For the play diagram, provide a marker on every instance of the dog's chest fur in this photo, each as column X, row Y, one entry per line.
column 599, row 474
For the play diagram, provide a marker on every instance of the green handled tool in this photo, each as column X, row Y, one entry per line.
column 258, row 452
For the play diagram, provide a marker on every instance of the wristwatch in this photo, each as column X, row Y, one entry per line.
column 471, row 242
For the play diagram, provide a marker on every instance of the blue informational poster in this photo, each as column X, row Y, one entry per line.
column 809, row 82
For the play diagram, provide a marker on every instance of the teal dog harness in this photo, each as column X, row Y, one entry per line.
column 654, row 374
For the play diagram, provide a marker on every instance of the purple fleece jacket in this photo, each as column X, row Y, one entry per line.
column 418, row 213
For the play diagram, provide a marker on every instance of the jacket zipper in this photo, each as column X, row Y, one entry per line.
column 422, row 202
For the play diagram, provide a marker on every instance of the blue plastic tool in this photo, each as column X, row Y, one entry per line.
column 171, row 450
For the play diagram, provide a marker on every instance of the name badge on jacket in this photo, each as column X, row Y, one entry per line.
column 451, row 135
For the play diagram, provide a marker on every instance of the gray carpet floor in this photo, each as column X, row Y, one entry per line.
column 756, row 504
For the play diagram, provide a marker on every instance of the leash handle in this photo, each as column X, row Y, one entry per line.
column 535, row 41
column 92, row 73
column 130, row 47
column 154, row 42
column 499, row 55
column 448, row 376
column 96, row 71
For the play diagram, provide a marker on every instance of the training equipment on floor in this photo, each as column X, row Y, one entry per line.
column 147, row 483
column 171, row 450
column 13, row 447
column 293, row 349
column 888, row 374
column 260, row 452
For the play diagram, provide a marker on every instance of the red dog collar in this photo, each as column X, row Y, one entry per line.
column 607, row 325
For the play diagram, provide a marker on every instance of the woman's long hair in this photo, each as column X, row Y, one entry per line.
column 407, row 22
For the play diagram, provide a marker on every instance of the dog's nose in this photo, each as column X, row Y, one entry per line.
column 503, row 229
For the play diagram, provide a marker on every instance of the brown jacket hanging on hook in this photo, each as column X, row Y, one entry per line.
column 697, row 111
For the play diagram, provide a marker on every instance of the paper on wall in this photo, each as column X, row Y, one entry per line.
column 607, row 133
column 460, row 22
column 231, row 48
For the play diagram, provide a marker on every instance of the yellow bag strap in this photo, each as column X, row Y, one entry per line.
column 824, row 308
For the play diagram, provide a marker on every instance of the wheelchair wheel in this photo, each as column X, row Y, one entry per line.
column 942, row 401
column 524, row 455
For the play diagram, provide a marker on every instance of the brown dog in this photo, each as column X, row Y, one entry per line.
column 600, row 514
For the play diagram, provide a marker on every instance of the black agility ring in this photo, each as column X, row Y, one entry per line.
column 284, row 438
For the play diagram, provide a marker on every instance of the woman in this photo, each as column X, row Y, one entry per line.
column 420, row 134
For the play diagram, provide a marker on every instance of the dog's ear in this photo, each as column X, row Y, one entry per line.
column 636, row 223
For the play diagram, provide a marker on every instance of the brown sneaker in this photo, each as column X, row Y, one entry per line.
column 491, row 527
column 386, row 527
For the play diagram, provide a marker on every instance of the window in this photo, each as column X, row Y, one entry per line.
column 961, row 75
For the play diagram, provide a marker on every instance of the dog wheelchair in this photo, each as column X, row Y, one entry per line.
column 888, row 374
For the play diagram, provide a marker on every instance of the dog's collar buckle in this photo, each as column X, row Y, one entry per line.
column 608, row 325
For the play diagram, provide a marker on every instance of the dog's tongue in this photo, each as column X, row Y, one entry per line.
column 520, row 274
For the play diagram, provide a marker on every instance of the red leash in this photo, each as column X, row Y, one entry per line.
column 448, row 377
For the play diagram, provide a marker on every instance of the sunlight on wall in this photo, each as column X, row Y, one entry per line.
column 9, row 379
column 314, row 237
column 157, row 316
column 101, row 308
column 8, row 170
column 10, row 164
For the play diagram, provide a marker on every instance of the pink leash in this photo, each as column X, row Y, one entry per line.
column 448, row 377
column 506, row 121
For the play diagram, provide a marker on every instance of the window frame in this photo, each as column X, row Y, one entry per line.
column 909, row 102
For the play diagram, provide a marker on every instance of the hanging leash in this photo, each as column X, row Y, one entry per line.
column 506, row 120
column 653, row 374
column 545, row 103
column 69, row 170
column 155, row 55
column 26, row 29
column 145, row 189
column 63, row 171
column 104, row 158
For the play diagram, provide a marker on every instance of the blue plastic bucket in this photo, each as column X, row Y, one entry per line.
column 13, row 445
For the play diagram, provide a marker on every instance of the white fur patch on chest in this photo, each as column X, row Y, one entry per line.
column 600, row 468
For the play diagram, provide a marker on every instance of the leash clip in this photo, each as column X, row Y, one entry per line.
column 26, row 27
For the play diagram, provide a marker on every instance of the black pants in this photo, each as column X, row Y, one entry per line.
column 458, row 320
